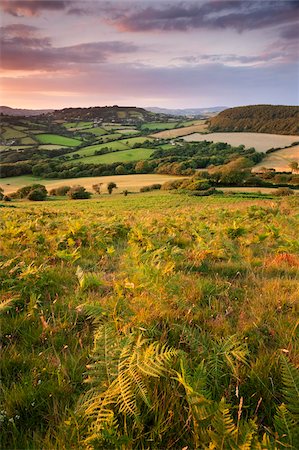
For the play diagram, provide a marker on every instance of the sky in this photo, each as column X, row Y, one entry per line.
column 171, row 54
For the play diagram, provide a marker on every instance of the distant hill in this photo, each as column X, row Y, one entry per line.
column 194, row 112
column 126, row 114
column 258, row 118
column 7, row 111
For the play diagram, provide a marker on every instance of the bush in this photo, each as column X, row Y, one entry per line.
column 6, row 198
column 25, row 191
column 111, row 186
column 151, row 187
column 170, row 185
column 37, row 195
column 60, row 191
column 282, row 192
column 78, row 193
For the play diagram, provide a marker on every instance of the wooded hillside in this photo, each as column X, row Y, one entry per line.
column 258, row 118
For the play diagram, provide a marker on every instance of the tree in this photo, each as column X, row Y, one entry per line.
column 1, row 193
column 120, row 170
column 97, row 187
column 25, row 191
column 111, row 186
column 294, row 166
column 78, row 193
column 37, row 195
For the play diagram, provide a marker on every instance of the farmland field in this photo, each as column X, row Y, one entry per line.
column 11, row 133
column 56, row 139
column 180, row 313
column 97, row 131
column 159, row 126
column 121, row 144
column 134, row 154
column 130, row 182
column 200, row 127
column 280, row 159
column 260, row 141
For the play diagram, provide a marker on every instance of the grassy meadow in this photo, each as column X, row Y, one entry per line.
column 152, row 321
column 134, row 154
column 56, row 139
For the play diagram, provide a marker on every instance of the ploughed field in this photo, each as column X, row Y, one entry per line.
column 154, row 320
column 260, row 141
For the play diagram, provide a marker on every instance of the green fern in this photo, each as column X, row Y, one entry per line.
column 290, row 378
column 120, row 374
column 286, row 427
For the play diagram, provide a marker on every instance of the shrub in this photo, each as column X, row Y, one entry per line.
column 282, row 192
column 25, row 191
column 78, row 193
column 111, row 186
column 37, row 195
column 60, row 191
column 151, row 187
column 6, row 198
column 170, row 185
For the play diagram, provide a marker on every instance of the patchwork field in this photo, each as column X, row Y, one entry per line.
column 159, row 126
column 279, row 160
column 199, row 127
column 130, row 182
column 122, row 144
column 56, row 139
column 134, row 154
column 260, row 141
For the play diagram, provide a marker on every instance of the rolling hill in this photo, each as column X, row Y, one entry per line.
column 274, row 119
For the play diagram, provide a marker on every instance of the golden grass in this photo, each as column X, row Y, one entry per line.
column 200, row 127
column 260, row 141
column 279, row 160
column 130, row 182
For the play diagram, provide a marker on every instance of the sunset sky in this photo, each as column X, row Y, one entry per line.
column 60, row 53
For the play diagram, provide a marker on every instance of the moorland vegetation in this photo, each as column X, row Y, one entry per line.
column 150, row 321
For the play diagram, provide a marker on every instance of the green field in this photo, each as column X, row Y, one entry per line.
column 50, row 146
column 121, row 144
column 126, row 131
column 12, row 133
column 56, row 139
column 152, row 321
column 134, row 154
column 97, row 131
column 152, row 126
column 110, row 137
column 28, row 141
column 78, row 125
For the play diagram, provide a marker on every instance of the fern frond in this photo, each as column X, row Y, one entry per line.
column 286, row 427
column 224, row 431
column 247, row 433
column 7, row 305
column 290, row 378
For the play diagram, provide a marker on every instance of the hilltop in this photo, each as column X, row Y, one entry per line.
column 115, row 113
column 7, row 111
column 275, row 119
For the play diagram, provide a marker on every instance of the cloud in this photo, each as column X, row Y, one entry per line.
column 29, row 8
column 178, row 86
column 290, row 31
column 239, row 15
column 23, row 48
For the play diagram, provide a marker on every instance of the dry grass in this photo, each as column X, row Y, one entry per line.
column 177, row 132
column 279, row 160
column 260, row 141
column 129, row 182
